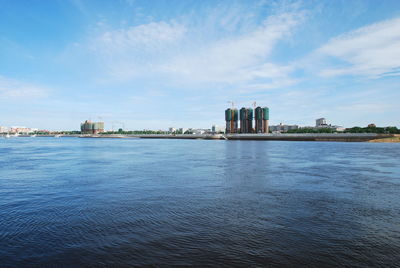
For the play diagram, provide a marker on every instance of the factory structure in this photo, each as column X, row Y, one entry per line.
column 261, row 116
column 89, row 127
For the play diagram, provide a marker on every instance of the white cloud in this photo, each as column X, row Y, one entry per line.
column 132, row 52
column 16, row 89
column 372, row 51
column 275, row 83
column 237, row 59
column 181, row 53
column 146, row 36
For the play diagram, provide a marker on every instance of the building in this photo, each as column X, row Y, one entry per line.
column 4, row 129
column 282, row 128
column 320, row 122
column 89, row 127
column 200, row 131
column 19, row 129
column 261, row 120
column 217, row 129
column 246, row 120
column 231, row 118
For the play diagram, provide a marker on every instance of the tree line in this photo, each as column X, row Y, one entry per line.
column 378, row 130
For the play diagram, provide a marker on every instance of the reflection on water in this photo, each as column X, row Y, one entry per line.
column 100, row 202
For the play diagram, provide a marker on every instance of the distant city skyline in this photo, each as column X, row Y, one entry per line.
column 160, row 64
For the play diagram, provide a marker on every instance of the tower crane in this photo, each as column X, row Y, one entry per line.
column 117, row 123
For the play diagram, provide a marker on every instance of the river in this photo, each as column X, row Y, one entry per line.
column 72, row 202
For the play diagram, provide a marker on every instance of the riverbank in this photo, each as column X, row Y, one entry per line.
column 396, row 138
column 338, row 137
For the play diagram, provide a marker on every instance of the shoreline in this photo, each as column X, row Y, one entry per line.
column 334, row 137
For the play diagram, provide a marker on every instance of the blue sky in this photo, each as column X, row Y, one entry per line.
column 155, row 64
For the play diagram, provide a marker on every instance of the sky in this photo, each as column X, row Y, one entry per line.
column 157, row 64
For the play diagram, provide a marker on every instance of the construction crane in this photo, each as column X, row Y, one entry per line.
column 117, row 123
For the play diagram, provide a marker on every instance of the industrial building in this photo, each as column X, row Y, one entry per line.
column 246, row 120
column 231, row 118
column 89, row 127
column 261, row 119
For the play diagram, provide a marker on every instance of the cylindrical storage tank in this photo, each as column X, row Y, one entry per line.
column 265, row 113
column 228, row 115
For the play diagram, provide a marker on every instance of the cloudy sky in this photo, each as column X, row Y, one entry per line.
column 155, row 64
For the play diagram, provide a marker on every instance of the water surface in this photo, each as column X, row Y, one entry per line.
column 72, row 202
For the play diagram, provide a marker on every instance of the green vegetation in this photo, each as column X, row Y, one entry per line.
column 145, row 131
column 370, row 129
column 312, row 130
column 378, row 130
column 135, row 132
column 73, row 132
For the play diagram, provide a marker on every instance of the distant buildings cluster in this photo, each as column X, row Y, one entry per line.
column 17, row 129
column 237, row 121
column 241, row 121
column 89, row 127
column 281, row 128
column 245, row 117
column 197, row 131
column 321, row 123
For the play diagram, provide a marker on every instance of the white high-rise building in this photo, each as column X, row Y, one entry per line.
column 320, row 122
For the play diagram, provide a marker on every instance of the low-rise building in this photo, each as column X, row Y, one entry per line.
column 282, row 128
column 4, row 129
column 19, row 129
column 217, row 129
column 322, row 123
